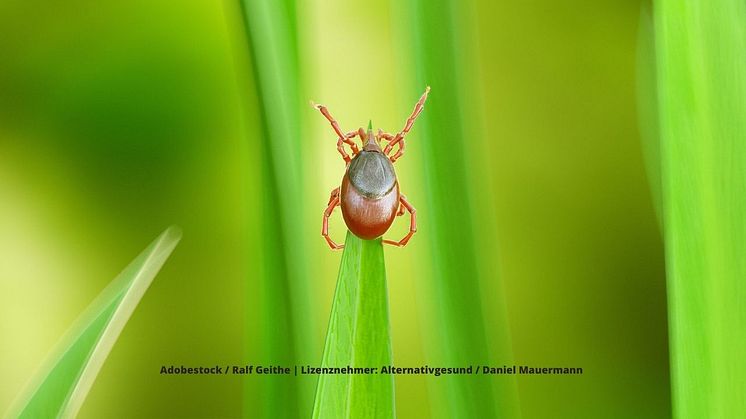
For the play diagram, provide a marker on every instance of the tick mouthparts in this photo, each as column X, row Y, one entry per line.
column 371, row 143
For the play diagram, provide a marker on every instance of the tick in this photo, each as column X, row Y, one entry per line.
column 369, row 195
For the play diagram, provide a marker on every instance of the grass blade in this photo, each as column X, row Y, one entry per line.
column 647, row 106
column 459, row 264
column 358, row 336
column 62, row 384
column 701, row 50
column 272, row 35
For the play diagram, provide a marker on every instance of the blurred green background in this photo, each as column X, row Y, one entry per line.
column 118, row 119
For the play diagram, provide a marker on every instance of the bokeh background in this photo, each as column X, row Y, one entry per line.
column 118, row 119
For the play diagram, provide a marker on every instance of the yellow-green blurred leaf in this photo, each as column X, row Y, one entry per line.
column 62, row 384
column 701, row 50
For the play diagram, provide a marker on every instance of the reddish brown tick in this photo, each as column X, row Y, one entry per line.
column 369, row 195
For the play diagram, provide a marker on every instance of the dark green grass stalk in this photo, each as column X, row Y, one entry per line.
column 358, row 336
column 460, row 334
column 701, row 68
column 272, row 35
column 62, row 384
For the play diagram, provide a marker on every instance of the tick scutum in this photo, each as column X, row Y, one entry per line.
column 372, row 174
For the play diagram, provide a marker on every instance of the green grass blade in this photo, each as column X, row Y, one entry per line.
column 701, row 50
column 647, row 107
column 461, row 339
column 272, row 35
column 62, row 384
column 358, row 336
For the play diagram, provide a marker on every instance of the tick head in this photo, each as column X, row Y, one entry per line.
column 370, row 141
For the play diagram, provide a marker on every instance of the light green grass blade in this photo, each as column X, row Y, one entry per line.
column 62, row 384
column 701, row 49
column 358, row 336
column 272, row 35
column 460, row 338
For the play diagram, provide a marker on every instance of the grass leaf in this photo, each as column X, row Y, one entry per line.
column 62, row 384
column 272, row 36
column 647, row 106
column 458, row 315
column 701, row 50
column 358, row 336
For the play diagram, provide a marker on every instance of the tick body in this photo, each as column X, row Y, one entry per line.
column 369, row 196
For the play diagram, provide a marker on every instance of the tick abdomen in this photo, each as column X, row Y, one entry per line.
column 369, row 195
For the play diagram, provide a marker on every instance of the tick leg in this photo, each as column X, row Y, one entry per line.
column 399, row 137
column 412, row 223
column 334, row 194
column 390, row 137
column 399, row 152
column 333, row 202
column 401, row 210
column 341, row 137
column 389, row 147
column 385, row 135
column 341, row 148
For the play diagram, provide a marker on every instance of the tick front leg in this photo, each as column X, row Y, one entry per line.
column 399, row 138
column 342, row 138
column 390, row 138
column 385, row 135
column 401, row 143
column 333, row 202
column 412, row 224
column 341, row 148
